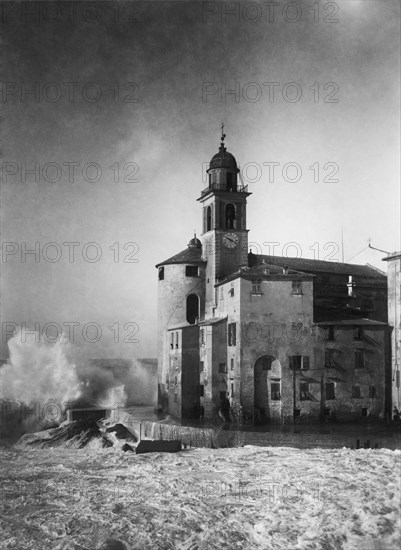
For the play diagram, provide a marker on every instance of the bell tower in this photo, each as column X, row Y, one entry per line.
column 224, row 236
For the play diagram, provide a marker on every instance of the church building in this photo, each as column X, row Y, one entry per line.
column 279, row 339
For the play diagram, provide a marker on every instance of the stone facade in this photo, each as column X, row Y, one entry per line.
column 394, row 319
column 283, row 339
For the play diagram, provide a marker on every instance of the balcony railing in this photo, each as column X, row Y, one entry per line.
column 240, row 189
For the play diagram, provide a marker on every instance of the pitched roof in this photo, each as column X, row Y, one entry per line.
column 320, row 266
column 267, row 272
column 273, row 270
column 188, row 256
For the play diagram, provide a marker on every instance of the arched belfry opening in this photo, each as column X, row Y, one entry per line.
column 267, row 390
column 231, row 179
column 230, row 216
column 192, row 308
column 208, row 218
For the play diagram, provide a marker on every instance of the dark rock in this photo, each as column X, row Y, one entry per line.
column 121, row 432
column 80, row 433
column 148, row 446
column 127, row 447
column 106, row 442
column 113, row 544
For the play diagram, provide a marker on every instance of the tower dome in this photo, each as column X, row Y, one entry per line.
column 195, row 242
column 223, row 169
column 224, row 159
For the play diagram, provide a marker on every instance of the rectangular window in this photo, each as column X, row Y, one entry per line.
column 231, row 291
column 330, row 335
column 330, row 390
column 201, row 366
column 329, row 358
column 232, row 334
column 161, row 273
column 356, row 391
column 232, row 390
column 372, row 392
column 298, row 362
column 232, row 364
column 222, row 367
column 359, row 359
column 275, row 391
column 256, row 287
column 295, row 362
column 202, row 335
column 201, row 390
column 297, row 287
column 191, row 270
column 176, row 339
column 364, row 412
column 172, row 340
column 304, row 391
column 358, row 333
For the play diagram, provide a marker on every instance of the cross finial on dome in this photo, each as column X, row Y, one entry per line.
column 223, row 135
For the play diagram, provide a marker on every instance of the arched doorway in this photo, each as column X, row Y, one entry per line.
column 267, row 390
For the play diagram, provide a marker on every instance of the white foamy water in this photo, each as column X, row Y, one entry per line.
column 245, row 498
column 38, row 372
column 115, row 398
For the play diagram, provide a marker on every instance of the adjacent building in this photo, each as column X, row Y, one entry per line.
column 394, row 320
column 281, row 338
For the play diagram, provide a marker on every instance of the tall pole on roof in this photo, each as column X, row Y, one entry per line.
column 342, row 244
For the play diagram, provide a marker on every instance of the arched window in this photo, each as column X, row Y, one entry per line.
column 230, row 181
column 208, row 218
column 230, row 216
column 192, row 308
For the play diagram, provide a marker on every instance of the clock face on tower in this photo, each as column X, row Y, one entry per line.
column 230, row 240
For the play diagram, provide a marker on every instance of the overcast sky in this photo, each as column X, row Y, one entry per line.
column 150, row 91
